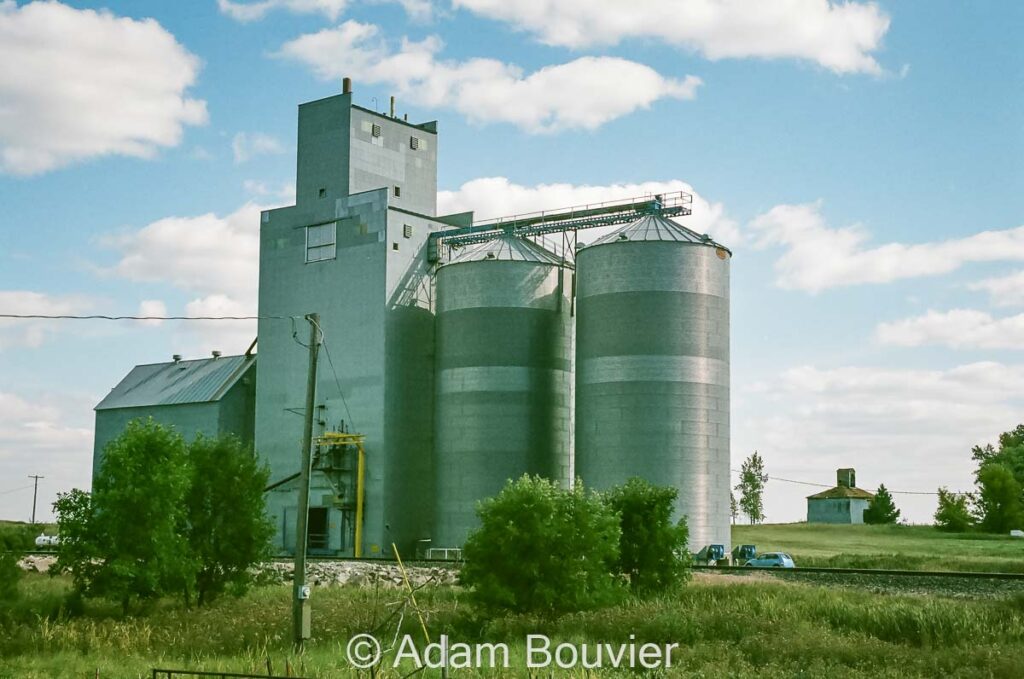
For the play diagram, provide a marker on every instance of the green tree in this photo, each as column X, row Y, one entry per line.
column 998, row 500
column 881, row 509
column 996, row 506
column 1010, row 453
column 127, row 540
column 734, row 508
column 228, row 530
column 751, row 487
column 953, row 514
column 542, row 549
column 652, row 550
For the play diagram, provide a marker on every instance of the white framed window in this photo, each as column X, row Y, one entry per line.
column 321, row 242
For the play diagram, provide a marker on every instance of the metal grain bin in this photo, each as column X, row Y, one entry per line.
column 504, row 380
column 652, row 368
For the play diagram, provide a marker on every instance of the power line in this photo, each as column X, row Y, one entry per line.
column 24, row 487
column 330, row 362
column 100, row 317
column 825, row 485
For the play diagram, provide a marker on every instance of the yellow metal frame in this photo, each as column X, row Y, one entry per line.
column 337, row 438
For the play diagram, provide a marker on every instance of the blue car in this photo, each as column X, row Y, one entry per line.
column 772, row 560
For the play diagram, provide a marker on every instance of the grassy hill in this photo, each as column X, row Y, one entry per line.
column 910, row 547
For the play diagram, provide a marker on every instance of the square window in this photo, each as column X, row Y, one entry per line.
column 321, row 242
column 398, row 192
column 323, row 193
column 394, row 246
column 407, row 230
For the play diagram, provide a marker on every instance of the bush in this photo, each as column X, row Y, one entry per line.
column 10, row 574
column 18, row 537
column 542, row 549
column 953, row 515
column 652, row 551
column 165, row 518
column 228, row 529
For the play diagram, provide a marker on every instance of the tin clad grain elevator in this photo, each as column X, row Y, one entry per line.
column 464, row 354
column 504, row 375
column 353, row 249
column 652, row 367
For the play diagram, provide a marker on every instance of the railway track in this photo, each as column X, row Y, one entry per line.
column 713, row 569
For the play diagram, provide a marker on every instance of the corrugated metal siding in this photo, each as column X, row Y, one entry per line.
column 198, row 381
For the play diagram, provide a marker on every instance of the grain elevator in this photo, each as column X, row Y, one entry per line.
column 588, row 342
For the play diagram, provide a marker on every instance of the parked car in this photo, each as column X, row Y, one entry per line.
column 772, row 560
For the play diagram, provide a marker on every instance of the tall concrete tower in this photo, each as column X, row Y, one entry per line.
column 353, row 249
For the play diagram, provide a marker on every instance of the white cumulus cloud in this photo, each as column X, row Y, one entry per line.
column 581, row 94
column 498, row 197
column 247, row 145
column 1003, row 290
column 818, row 256
column 33, row 332
column 253, row 11
column 957, row 329
column 80, row 84
column 152, row 307
column 839, row 36
column 213, row 257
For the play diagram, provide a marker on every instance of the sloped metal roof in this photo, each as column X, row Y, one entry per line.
column 199, row 381
column 656, row 228
column 840, row 492
column 506, row 248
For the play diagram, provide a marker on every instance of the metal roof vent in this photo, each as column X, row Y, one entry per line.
column 623, row 236
column 490, row 255
column 176, row 358
column 216, row 354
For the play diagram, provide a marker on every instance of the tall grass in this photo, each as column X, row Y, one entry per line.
column 735, row 626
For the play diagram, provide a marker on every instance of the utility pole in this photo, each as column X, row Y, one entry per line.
column 301, row 617
column 35, row 492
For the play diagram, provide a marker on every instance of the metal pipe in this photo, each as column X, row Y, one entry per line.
column 360, row 491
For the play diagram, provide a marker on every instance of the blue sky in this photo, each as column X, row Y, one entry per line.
column 864, row 161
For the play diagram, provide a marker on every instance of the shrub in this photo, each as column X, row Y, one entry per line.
column 10, row 574
column 542, row 549
column 18, row 537
column 652, row 551
column 228, row 528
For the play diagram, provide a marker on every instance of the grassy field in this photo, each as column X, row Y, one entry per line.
column 725, row 625
column 909, row 547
